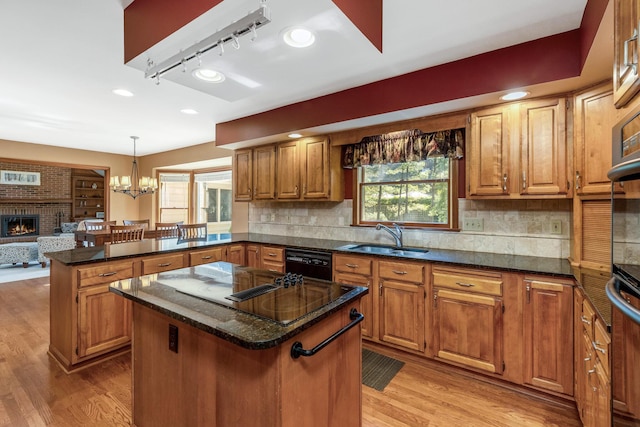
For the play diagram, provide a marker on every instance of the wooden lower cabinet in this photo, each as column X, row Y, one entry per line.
column 401, row 291
column 235, row 254
column 272, row 258
column 252, row 255
column 548, row 334
column 467, row 318
column 104, row 320
column 87, row 322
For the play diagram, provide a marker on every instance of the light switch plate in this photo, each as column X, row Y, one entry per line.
column 473, row 224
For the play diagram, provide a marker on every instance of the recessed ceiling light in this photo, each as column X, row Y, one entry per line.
column 514, row 95
column 208, row 75
column 299, row 37
column 188, row 111
column 122, row 92
column 294, row 135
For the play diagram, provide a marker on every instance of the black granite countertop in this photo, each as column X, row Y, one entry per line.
column 513, row 263
column 259, row 323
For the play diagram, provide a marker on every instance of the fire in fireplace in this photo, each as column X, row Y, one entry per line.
column 19, row 225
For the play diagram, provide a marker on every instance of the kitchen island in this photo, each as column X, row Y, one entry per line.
column 288, row 356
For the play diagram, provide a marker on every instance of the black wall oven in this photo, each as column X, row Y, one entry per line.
column 623, row 289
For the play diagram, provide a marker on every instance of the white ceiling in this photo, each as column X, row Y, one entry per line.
column 62, row 59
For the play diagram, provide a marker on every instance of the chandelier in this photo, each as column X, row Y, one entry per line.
column 133, row 185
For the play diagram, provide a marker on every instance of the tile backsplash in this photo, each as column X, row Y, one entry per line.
column 515, row 227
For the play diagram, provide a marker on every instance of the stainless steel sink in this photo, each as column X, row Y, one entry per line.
column 385, row 250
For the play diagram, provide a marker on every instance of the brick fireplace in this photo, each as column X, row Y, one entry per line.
column 50, row 202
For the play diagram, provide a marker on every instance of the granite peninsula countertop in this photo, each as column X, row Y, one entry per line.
column 196, row 296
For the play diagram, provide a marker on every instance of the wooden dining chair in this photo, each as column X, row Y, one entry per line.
column 98, row 225
column 166, row 230
column 143, row 222
column 192, row 231
column 126, row 233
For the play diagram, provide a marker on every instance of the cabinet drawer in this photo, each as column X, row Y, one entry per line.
column 162, row 263
column 104, row 273
column 352, row 264
column 205, row 256
column 490, row 285
column 601, row 344
column 587, row 317
column 404, row 271
column 272, row 254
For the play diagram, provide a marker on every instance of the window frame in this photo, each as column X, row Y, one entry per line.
column 452, row 205
column 192, row 200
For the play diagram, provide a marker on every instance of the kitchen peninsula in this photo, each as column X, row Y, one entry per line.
column 200, row 358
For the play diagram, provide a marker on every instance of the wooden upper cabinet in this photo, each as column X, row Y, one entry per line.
column 543, row 167
column 288, row 170
column 488, row 163
column 626, row 81
column 519, row 150
column 243, row 175
column 264, row 173
column 594, row 117
column 315, row 168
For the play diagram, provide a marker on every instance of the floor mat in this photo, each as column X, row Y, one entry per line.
column 378, row 370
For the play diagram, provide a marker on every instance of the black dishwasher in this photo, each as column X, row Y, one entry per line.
column 309, row 263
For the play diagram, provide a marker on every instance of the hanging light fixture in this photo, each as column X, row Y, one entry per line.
column 132, row 185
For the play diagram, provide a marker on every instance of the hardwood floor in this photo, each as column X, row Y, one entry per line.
column 34, row 391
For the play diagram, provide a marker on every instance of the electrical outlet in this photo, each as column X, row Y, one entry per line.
column 473, row 224
column 273, row 217
column 556, row 226
column 173, row 338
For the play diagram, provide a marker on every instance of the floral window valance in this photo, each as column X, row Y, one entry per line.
column 404, row 146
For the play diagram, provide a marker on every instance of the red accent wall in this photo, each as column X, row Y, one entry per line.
column 146, row 22
column 366, row 15
column 543, row 60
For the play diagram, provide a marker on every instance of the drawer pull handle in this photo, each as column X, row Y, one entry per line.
column 111, row 273
column 352, row 265
column 164, row 264
column 271, row 254
column 465, row 285
column 399, row 272
column 207, row 257
column 585, row 320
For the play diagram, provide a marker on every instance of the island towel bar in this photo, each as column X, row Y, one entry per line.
column 297, row 350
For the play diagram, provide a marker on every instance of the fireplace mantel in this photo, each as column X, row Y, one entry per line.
column 34, row 201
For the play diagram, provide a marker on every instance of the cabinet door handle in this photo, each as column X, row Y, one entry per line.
column 111, row 273
column 627, row 63
column 352, row 265
column 465, row 285
column 577, row 180
column 528, row 293
column 164, row 264
column 524, row 180
column 435, row 300
column 402, row 273
column 380, row 287
column 296, row 190
column 504, row 182
column 585, row 320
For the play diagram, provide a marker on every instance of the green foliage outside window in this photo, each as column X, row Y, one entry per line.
column 413, row 192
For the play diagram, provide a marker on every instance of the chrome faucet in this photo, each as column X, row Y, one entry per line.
column 397, row 234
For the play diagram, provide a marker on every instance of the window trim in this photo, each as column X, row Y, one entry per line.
column 452, row 225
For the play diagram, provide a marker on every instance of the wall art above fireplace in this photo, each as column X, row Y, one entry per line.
column 19, row 178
